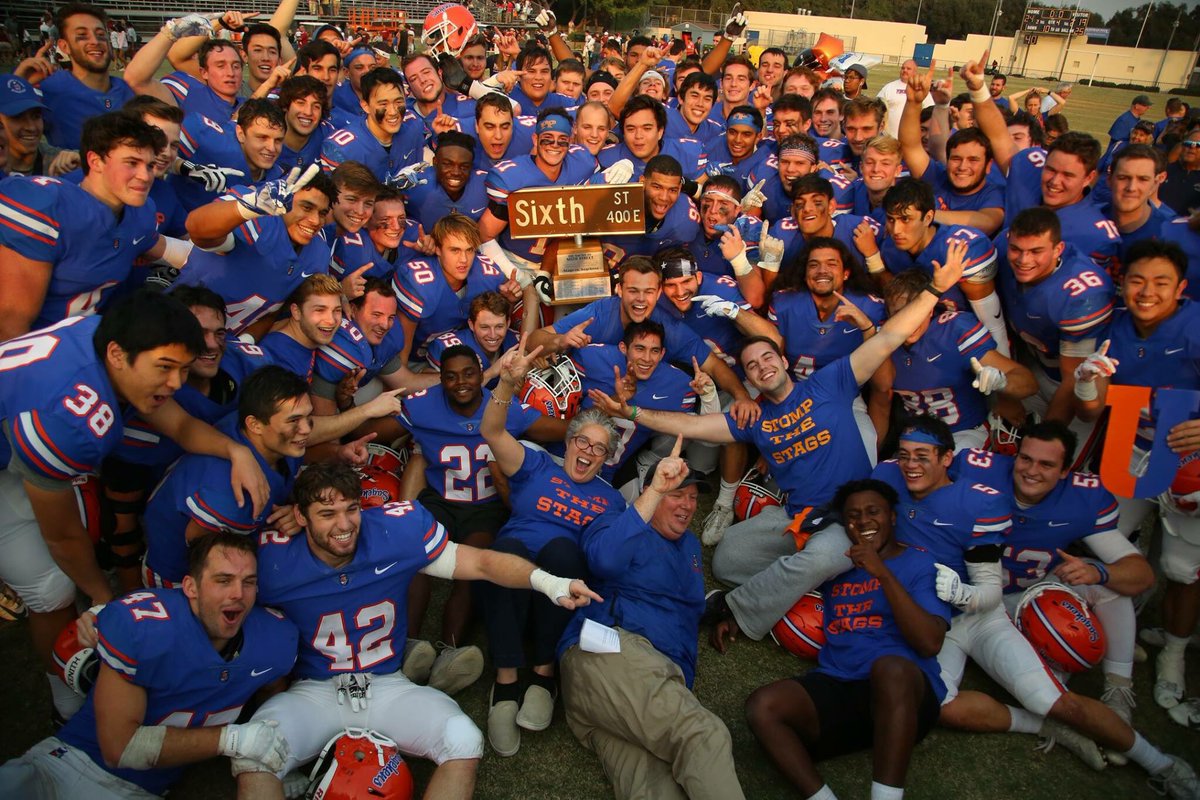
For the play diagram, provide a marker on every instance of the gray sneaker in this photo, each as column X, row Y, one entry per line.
column 418, row 660
column 456, row 668
column 715, row 524
column 1055, row 733
column 537, row 709
column 503, row 734
column 1177, row 781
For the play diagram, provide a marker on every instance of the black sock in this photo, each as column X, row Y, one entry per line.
column 506, row 691
column 547, row 682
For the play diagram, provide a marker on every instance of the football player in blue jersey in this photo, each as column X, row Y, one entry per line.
column 643, row 128
column 343, row 585
column 1152, row 341
column 390, row 138
column 135, row 356
column 690, row 118
column 321, row 60
column 170, row 213
column 1057, row 302
column 450, row 475
column 456, row 187
column 85, row 89
column 814, row 214
column 592, row 125
column 728, row 240
column 671, row 216
column 1054, row 508
column 347, row 95
column 862, row 121
column 354, row 254
column 533, row 91
column 795, row 157
column 738, row 153
column 737, row 83
column 1137, row 173
column 215, row 156
column 365, row 346
column 52, row 262
column 430, row 98
column 963, row 525
column 827, row 115
column 305, row 107
column 314, row 316
column 915, row 240
column 877, row 683
column 175, row 668
column 488, row 333
column 212, row 93
column 950, row 366
column 881, row 165
column 397, row 239
column 496, row 130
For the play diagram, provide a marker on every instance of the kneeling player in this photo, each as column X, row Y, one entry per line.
column 346, row 593
column 876, row 683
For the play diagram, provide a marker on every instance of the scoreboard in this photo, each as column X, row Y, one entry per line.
column 1055, row 21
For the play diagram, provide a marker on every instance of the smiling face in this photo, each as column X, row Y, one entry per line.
column 387, row 225
column 424, row 80
column 680, row 291
column 741, row 141
column 385, row 110
column 24, row 131
column 859, row 131
column 1033, row 258
column 880, row 170
column 452, row 165
column 674, row 512
column 643, row 355
column 375, row 317
column 537, row 80
column 332, row 525
column 225, row 593
column 586, row 453
column 1039, row 465
column 967, row 165
column 922, row 467
column 550, row 148
column 771, row 67
column 1064, row 179
column 1133, row 182
column 223, row 72
column 212, row 323
column 735, row 84
column 304, row 115
column 792, row 166
column 869, row 519
column 285, row 434
column 825, row 273
column 149, row 380
column 642, row 134
column 310, row 209
column 591, row 128
column 462, row 382
column 827, row 117
column 765, row 369
column 696, row 104
column 86, row 42
column 1152, row 291
column 318, row 318
column 353, row 209
column 261, row 143
column 811, row 211
column 262, row 56
column 489, row 330
column 639, row 292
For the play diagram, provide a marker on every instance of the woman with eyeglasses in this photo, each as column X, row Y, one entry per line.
column 551, row 505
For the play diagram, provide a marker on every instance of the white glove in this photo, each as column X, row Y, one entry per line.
column 771, row 250
column 1097, row 365
column 212, row 178
column 755, row 197
column 259, row 741
column 190, row 25
column 714, row 306
column 295, row 784
column 408, row 177
column 619, row 172
column 949, row 587
column 736, row 24
column 355, row 687
column 271, row 198
column 546, row 20
column 988, row 379
column 541, row 284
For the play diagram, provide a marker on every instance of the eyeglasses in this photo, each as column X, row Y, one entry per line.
column 588, row 446
column 1191, row 144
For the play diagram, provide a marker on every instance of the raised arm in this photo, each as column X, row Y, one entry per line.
column 628, row 86
column 735, row 26
column 987, row 116
column 508, row 453
column 142, row 68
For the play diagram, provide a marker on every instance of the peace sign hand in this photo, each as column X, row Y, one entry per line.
column 272, row 199
column 516, row 363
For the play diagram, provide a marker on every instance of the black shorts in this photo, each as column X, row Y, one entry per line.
column 844, row 714
column 463, row 519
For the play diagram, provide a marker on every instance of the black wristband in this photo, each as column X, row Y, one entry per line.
column 934, row 291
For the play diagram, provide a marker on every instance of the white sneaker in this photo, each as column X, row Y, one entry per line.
column 456, row 668
column 1118, row 695
column 1157, row 637
column 1168, row 684
column 418, row 660
column 1054, row 733
column 1177, row 781
column 1187, row 713
column 715, row 524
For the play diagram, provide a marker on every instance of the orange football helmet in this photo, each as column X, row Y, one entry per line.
column 555, row 391
column 1060, row 626
column 800, row 632
column 358, row 764
column 447, row 29
column 75, row 664
column 754, row 493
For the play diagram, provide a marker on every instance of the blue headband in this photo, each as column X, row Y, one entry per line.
column 554, row 122
column 357, row 53
column 743, row 118
column 923, row 437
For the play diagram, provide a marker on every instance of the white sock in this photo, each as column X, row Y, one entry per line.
column 881, row 791
column 1023, row 721
column 824, row 793
column 1175, row 645
column 992, row 316
column 1147, row 755
column 725, row 496
column 66, row 701
column 1119, row 669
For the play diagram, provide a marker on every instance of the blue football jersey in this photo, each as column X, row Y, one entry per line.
column 836, row 151
column 778, row 203
column 688, row 152
column 437, row 346
column 1153, row 228
column 205, row 141
column 551, row 100
column 193, row 96
column 682, row 344
column 1077, row 508
column 310, row 153
column 678, row 128
column 352, row 618
column 89, row 249
column 719, row 155
column 169, row 213
column 1092, row 234
column 934, row 375
column 1023, row 187
column 721, row 334
column 811, row 342
column 1072, row 304
column 350, row 351
column 353, row 251
column 810, row 440
column 523, row 173
column 456, row 455
column 345, row 104
column 678, row 227
column 290, row 354
column 1177, row 231
column 948, row 198
column 153, row 640
column 981, row 256
column 355, row 142
column 788, row 231
column 429, row 202
column 708, row 250
column 951, row 520
column 69, row 103
column 427, row 299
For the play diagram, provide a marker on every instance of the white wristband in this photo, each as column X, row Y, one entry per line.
column 980, row 95
column 875, row 264
column 143, row 748
column 1086, row 390
column 741, row 265
column 552, row 586
column 769, row 266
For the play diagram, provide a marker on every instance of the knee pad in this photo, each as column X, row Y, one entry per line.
column 133, row 538
column 1177, row 566
column 461, row 739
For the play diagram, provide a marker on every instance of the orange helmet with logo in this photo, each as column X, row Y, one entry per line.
column 1060, row 626
column 447, row 29
column 800, row 632
column 556, row 390
column 358, row 764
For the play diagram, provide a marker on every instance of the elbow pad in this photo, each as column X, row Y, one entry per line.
column 986, row 577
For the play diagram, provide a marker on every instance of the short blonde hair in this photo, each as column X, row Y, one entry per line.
column 884, row 145
column 455, row 224
column 315, row 285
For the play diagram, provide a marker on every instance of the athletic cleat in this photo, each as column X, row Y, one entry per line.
column 1177, row 781
column 715, row 524
column 418, row 660
column 1055, row 733
column 1168, row 685
column 1118, row 695
column 1187, row 713
column 456, row 668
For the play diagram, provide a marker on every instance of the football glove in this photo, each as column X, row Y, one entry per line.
column 407, row 178
column 950, row 587
column 271, row 199
column 258, row 741
column 771, row 250
column 620, row 172
column 714, row 306
column 735, row 26
column 212, row 178
column 988, row 379
column 713, row 168
column 755, row 197
column 190, row 25
column 1097, row 365
column 546, row 21
column 354, row 689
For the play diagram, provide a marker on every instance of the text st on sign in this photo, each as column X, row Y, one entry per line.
column 550, row 211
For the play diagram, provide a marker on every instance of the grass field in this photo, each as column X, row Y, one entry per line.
column 552, row 765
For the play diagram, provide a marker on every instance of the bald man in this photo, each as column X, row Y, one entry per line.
column 894, row 95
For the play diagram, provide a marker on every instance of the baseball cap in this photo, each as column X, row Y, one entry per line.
column 17, row 96
column 654, row 75
column 859, row 68
column 323, row 28
column 692, row 479
column 1141, row 100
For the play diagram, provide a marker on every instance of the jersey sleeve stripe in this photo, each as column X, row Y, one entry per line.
column 337, row 360
column 973, row 337
column 25, row 220
column 114, row 657
column 412, row 304
column 196, row 504
column 137, row 437
column 37, row 454
column 1088, row 321
column 435, row 545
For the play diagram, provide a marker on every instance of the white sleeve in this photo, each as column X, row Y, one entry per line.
column 1110, row 546
column 443, row 566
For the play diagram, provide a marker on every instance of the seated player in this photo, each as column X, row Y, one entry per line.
column 257, row 244
column 347, row 673
column 487, row 332
column 176, row 667
column 671, row 216
column 877, row 683
column 950, row 366
column 450, row 475
column 646, row 555
column 216, row 156
column 314, row 316
column 457, row 186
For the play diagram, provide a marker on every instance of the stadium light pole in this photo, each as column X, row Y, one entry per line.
column 1167, row 49
column 918, row 17
column 1145, row 18
column 995, row 24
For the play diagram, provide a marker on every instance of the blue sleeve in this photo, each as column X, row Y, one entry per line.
column 921, row 586
column 612, row 541
column 29, row 217
column 564, row 324
column 212, row 504
column 130, row 633
column 54, row 445
column 683, row 344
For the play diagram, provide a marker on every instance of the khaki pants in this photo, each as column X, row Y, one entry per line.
column 653, row 737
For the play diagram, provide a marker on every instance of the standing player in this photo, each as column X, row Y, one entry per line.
column 1136, row 175
column 213, row 94
column 643, row 129
column 305, row 105
column 388, row 140
column 314, row 314
column 347, row 674
column 176, row 666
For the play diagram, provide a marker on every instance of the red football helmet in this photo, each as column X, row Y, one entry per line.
column 556, row 390
column 358, row 764
column 392, row 459
column 1061, row 628
column 1002, row 435
column 447, row 29
column 753, row 494
column 800, row 632
column 75, row 664
column 1182, row 495
column 378, row 487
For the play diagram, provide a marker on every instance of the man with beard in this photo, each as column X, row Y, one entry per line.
column 457, row 187
column 388, row 140
column 305, row 105
column 50, row 264
column 671, row 216
column 176, row 666
column 255, row 245
column 86, row 89
column 314, row 316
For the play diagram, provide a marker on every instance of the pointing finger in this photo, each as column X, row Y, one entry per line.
column 1104, row 347
column 678, row 446
column 695, row 366
column 1068, row 557
column 975, row 365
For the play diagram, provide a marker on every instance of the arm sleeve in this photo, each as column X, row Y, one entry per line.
column 29, row 219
